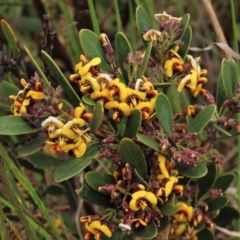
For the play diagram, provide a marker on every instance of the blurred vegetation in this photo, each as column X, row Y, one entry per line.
column 69, row 16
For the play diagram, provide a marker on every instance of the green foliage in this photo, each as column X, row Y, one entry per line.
column 73, row 166
column 93, row 48
column 198, row 171
column 13, row 125
column 164, row 113
column 97, row 117
column 132, row 154
column 133, row 124
column 123, row 48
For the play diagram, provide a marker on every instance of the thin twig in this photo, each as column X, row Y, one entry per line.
column 216, row 26
column 227, row 232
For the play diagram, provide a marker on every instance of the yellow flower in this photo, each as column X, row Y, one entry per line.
column 172, row 65
column 89, row 85
column 134, row 97
column 103, row 95
column 97, row 229
column 78, row 148
column 120, row 109
column 117, row 88
column 152, row 35
column 35, row 95
column 83, row 68
column 190, row 79
column 146, row 108
column 104, row 80
column 142, row 199
column 52, row 123
column 63, row 133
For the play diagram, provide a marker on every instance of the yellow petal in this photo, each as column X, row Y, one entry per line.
column 168, row 66
column 80, row 149
column 183, row 83
column 104, row 229
column 168, row 188
column 139, row 194
column 151, row 197
column 111, row 105
column 36, row 95
column 162, row 165
column 125, row 108
column 133, row 205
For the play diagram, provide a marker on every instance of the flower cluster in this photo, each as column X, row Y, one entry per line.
column 70, row 135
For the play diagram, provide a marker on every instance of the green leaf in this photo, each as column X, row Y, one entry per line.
column 93, row 197
column 205, row 234
column 61, row 79
column 14, row 125
column 148, row 141
column 145, row 60
column 229, row 75
column 169, row 208
column 43, row 161
column 73, row 166
column 163, row 223
column 148, row 232
column 226, row 215
column 164, row 113
column 96, row 180
column 186, row 38
column 97, row 116
column 226, row 82
column 202, row 119
column 224, row 181
column 86, row 99
column 8, row 89
column 205, row 183
column 185, row 21
column 221, row 94
column 11, row 39
column 92, row 47
column 132, row 154
column 192, row 172
column 54, row 189
column 122, row 48
column 31, row 147
column 143, row 22
column 133, row 123
column 216, row 203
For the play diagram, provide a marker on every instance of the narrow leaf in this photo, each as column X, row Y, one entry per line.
column 97, row 117
column 122, row 48
column 93, row 197
column 96, row 180
column 31, row 147
column 14, row 125
column 164, row 113
column 43, row 161
column 229, row 76
column 226, row 216
column 73, row 166
column 11, row 39
column 186, row 38
column 133, row 124
column 132, row 154
column 224, row 181
column 143, row 22
column 61, row 79
column 202, row 119
column 145, row 60
column 221, row 93
column 92, row 47
column 216, row 203
column 192, row 172
column 148, row 141
column 205, row 183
